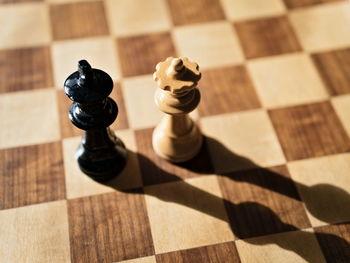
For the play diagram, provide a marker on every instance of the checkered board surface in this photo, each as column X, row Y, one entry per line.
column 272, row 181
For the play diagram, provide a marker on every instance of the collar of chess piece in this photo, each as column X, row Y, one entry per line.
column 177, row 80
column 177, row 75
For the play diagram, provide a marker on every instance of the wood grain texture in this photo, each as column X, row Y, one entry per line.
column 18, row 1
column 289, row 247
column 31, row 175
column 140, row 54
column 309, row 130
column 25, row 69
column 341, row 105
column 241, row 141
column 67, row 128
column 322, row 28
column 302, row 3
column 239, row 10
column 28, row 117
column 262, row 202
column 109, row 227
column 195, row 11
column 335, row 242
column 35, row 233
column 156, row 170
column 211, row 45
column 226, row 90
column 75, row 20
column 324, row 187
column 122, row 119
column 214, row 254
column 184, row 203
column 334, row 68
column 99, row 51
column 267, row 37
column 187, row 214
column 26, row 25
column 128, row 18
column 138, row 95
column 287, row 80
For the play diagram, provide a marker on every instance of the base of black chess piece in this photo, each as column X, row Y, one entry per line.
column 102, row 158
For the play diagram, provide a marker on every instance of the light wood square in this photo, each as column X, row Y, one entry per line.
column 323, row 27
column 287, row 80
column 244, row 135
column 24, row 25
column 151, row 259
column 139, row 101
column 99, row 52
column 78, row 184
column 249, row 9
column 187, row 214
column 131, row 18
column 289, row 247
column 210, row 45
column 324, row 186
column 28, row 117
column 36, row 233
column 341, row 105
column 67, row 1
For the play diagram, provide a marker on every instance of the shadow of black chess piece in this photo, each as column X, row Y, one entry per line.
column 260, row 215
column 302, row 242
column 325, row 202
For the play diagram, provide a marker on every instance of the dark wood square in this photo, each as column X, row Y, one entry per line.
column 267, row 37
column 261, row 202
column 139, row 55
column 25, row 69
column 334, row 241
column 69, row 130
column 301, row 3
column 109, row 227
column 213, row 254
column 31, row 175
column 156, row 170
column 311, row 130
column 226, row 90
column 18, row 1
column 195, row 11
column 75, row 20
column 334, row 68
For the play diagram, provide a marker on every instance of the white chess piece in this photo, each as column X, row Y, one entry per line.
column 177, row 137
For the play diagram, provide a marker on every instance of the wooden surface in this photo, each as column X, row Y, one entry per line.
column 271, row 182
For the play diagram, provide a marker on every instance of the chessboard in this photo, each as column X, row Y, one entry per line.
column 271, row 182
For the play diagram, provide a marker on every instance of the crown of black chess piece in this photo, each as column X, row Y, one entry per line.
column 101, row 155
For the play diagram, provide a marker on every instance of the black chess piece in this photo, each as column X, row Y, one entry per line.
column 101, row 155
